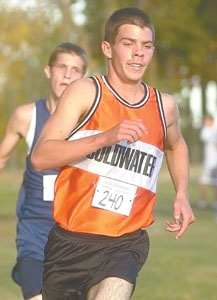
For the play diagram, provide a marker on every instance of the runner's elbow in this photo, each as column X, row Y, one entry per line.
column 37, row 162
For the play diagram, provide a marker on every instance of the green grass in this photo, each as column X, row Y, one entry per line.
column 9, row 185
column 184, row 269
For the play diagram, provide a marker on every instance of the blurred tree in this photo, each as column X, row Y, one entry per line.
column 207, row 13
column 26, row 40
column 185, row 45
column 182, row 45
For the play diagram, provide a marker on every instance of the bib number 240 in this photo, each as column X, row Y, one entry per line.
column 113, row 195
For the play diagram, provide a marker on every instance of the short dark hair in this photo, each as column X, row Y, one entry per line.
column 127, row 15
column 70, row 49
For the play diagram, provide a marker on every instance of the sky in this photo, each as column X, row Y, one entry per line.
column 24, row 4
column 77, row 7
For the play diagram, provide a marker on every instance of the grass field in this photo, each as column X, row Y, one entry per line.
column 175, row 270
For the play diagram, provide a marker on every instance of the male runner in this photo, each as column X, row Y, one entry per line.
column 108, row 135
column 67, row 62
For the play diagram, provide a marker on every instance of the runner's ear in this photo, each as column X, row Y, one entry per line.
column 47, row 71
column 106, row 49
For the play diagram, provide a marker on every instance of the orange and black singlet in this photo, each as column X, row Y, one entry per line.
column 112, row 191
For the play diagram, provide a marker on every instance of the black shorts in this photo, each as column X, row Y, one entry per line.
column 28, row 273
column 74, row 262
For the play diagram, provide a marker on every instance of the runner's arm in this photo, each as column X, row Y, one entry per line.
column 176, row 153
column 16, row 129
column 53, row 150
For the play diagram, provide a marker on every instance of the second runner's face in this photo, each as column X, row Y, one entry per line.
column 66, row 68
column 131, row 52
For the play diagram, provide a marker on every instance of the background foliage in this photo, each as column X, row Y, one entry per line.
column 186, row 48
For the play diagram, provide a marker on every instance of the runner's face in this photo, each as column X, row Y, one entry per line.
column 66, row 68
column 131, row 52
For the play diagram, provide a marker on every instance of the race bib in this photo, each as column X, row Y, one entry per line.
column 48, row 187
column 114, row 195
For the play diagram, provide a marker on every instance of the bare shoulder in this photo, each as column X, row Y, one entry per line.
column 79, row 94
column 24, row 112
column 71, row 109
column 85, row 81
column 170, row 108
column 21, row 117
column 171, row 112
column 84, row 86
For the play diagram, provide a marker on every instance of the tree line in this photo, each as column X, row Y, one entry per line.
column 186, row 46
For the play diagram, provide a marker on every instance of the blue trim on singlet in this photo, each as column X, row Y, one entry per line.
column 31, row 193
column 34, row 214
